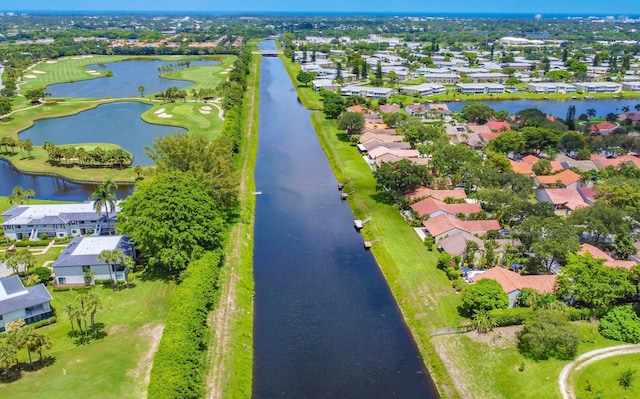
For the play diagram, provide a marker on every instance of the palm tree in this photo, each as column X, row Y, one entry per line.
column 141, row 90
column 72, row 311
column 637, row 107
column 93, row 305
column 591, row 113
column 8, row 353
column 42, row 343
column 138, row 170
column 625, row 108
column 105, row 198
column 110, row 257
column 27, row 337
column 29, row 193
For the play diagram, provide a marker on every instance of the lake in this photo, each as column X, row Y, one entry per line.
column 326, row 324
column 119, row 123
column 127, row 76
column 558, row 108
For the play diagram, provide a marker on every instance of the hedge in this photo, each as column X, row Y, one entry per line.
column 510, row 317
column 61, row 289
column 35, row 243
column 44, row 322
column 178, row 366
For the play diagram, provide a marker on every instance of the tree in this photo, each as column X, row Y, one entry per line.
column 591, row 113
column 28, row 146
column 508, row 142
column 558, row 75
column 484, row 295
column 26, row 337
column 549, row 239
column 621, row 324
column 105, row 199
column 304, row 77
column 589, row 283
column 21, row 257
column 111, row 257
column 548, row 334
column 571, row 117
column 623, row 246
column 72, row 311
column 41, row 344
column 333, row 104
column 401, row 177
column 542, row 167
column 538, row 139
column 34, row 95
column 141, row 90
column 351, row 122
column 138, row 170
column 477, row 112
column 172, row 220
column 599, row 220
column 5, row 106
column 572, row 142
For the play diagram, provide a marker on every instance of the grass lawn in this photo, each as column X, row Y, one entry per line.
column 204, row 77
column 114, row 366
column 602, row 377
column 187, row 115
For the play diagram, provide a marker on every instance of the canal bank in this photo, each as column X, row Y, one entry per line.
column 325, row 324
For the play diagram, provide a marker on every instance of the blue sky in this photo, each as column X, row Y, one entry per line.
column 454, row 6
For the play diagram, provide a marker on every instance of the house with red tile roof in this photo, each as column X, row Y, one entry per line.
column 604, row 162
column 446, row 225
column 603, row 127
column 564, row 200
column 597, row 253
column 567, row 178
column 441, row 108
column 498, row 126
column 357, row 109
column 395, row 138
column 512, row 283
column 416, row 109
column 432, row 207
column 522, row 168
column 389, row 109
column 424, row 192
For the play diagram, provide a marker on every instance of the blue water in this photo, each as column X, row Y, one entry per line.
column 50, row 188
column 117, row 123
column 326, row 323
column 558, row 108
column 128, row 75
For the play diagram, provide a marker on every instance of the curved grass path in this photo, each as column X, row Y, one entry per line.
column 565, row 382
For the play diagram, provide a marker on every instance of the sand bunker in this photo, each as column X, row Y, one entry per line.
column 205, row 112
column 30, row 76
column 165, row 115
column 206, row 108
column 93, row 72
column 36, row 71
column 160, row 111
column 52, row 62
column 82, row 57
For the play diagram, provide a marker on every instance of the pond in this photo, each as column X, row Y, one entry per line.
column 127, row 76
column 50, row 188
column 326, row 324
column 117, row 123
column 558, row 108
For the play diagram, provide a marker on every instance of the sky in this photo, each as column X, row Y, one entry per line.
column 576, row 7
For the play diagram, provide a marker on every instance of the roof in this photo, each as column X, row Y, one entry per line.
column 373, row 143
column 52, row 213
column 84, row 251
column 437, row 194
column 443, row 223
column 569, row 197
column 597, row 253
column 479, row 128
column 456, row 244
column 439, row 107
column 417, row 108
column 14, row 296
column 522, row 168
column 565, row 178
column 430, row 205
column 603, row 162
column 357, row 108
column 499, row 126
column 603, row 126
column 389, row 108
column 364, row 137
column 511, row 281
column 568, row 162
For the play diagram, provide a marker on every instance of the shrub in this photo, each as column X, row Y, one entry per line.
column 34, row 243
column 43, row 274
column 61, row 289
column 621, row 324
column 485, row 295
column 81, row 289
column 178, row 365
column 575, row 314
column 547, row 333
column 453, row 274
column 429, row 242
column 105, row 281
column 459, row 284
column 510, row 317
column 444, row 260
column 44, row 322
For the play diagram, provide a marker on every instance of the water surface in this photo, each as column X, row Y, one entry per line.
column 326, row 323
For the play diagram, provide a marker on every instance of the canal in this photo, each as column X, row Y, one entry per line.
column 326, row 323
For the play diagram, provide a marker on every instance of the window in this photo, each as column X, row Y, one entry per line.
column 86, row 269
column 62, row 280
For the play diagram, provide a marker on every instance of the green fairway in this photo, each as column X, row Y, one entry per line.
column 197, row 117
column 114, row 366
column 602, row 377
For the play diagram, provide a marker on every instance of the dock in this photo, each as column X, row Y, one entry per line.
column 359, row 224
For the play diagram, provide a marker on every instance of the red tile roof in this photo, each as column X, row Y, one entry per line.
column 429, row 206
column 357, row 108
column 389, row 108
column 602, row 126
column 597, row 253
column 566, row 177
column 443, row 223
column 511, row 281
column 499, row 126
column 441, row 195
column 569, row 197
column 522, row 168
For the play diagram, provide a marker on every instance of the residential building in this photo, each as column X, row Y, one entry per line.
column 445, row 225
column 481, row 88
column 425, row 192
column 367, row 92
column 598, row 87
column 432, row 207
column 424, row 89
column 551, row 88
column 488, row 77
column 603, row 128
column 567, row 178
column 56, row 220
column 564, row 200
column 81, row 256
column 416, row 109
column 326, row 84
column 17, row 302
column 450, row 78
column 513, row 283
column 597, row 253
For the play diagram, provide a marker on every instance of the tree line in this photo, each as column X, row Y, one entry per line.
column 96, row 157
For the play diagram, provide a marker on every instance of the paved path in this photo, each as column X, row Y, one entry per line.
column 567, row 389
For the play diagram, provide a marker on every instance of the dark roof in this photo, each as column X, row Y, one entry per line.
column 33, row 296
column 68, row 259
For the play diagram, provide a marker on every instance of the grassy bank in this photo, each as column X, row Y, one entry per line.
column 423, row 293
column 602, row 376
column 230, row 356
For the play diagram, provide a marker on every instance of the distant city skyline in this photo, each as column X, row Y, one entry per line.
column 584, row 7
